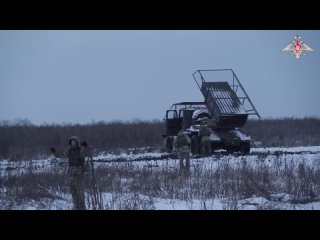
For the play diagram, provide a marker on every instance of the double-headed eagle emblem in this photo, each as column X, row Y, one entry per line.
column 297, row 47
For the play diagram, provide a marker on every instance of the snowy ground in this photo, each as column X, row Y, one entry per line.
column 281, row 202
column 276, row 160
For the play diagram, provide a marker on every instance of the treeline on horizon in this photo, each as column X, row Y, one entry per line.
column 21, row 139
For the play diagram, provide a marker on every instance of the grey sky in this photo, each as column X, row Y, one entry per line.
column 78, row 76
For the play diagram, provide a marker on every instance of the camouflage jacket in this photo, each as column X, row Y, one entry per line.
column 183, row 140
column 76, row 156
column 204, row 131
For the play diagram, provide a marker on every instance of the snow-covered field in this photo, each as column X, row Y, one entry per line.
column 268, row 178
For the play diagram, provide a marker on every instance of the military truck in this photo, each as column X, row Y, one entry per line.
column 225, row 110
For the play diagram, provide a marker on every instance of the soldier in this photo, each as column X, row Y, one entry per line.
column 204, row 133
column 169, row 144
column 76, row 173
column 183, row 142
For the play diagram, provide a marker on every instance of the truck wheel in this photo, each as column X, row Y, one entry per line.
column 212, row 148
column 195, row 144
column 230, row 150
column 245, row 148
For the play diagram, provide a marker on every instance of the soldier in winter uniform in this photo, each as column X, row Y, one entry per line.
column 204, row 133
column 76, row 173
column 183, row 142
column 169, row 144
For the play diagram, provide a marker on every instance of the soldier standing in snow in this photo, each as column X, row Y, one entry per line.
column 76, row 173
column 169, row 144
column 183, row 142
column 204, row 133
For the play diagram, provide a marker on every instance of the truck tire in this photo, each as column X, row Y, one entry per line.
column 195, row 146
column 230, row 150
column 245, row 148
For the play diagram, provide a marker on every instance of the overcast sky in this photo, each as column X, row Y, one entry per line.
column 80, row 76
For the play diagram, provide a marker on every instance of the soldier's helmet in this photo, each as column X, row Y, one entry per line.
column 76, row 139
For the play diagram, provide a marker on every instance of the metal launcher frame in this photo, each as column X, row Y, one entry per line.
column 226, row 100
